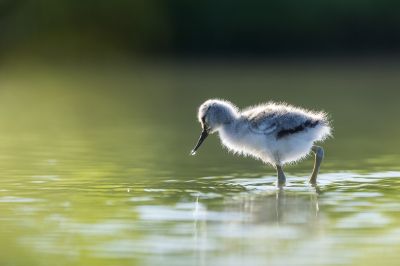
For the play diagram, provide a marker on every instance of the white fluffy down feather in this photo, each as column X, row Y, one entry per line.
column 277, row 134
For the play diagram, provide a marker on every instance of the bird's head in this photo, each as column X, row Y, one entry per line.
column 212, row 115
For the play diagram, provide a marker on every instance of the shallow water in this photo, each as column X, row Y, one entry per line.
column 95, row 167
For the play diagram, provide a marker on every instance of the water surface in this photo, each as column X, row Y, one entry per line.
column 95, row 169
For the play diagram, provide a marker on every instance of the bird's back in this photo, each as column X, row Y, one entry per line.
column 282, row 120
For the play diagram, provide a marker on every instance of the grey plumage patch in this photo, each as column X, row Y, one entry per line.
column 307, row 124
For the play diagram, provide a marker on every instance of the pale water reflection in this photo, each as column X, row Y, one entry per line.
column 246, row 219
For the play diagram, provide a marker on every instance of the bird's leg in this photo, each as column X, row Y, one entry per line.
column 281, row 175
column 319, row 156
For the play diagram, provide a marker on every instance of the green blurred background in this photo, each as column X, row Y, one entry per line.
column 93, row 66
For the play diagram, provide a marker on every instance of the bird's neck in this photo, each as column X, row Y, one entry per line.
column 227, row 122
column 228, row 115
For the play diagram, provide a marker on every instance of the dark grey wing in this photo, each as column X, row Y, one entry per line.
column 282, row 121
column 302, row 126
column 292, row 123
column 281, row 124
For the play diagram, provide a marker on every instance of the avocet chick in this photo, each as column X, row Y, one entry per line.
column 277, row 134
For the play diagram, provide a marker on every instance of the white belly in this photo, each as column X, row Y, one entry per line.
column 269, row 149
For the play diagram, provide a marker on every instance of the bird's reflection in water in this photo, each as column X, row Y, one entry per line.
column 282, row 206
column 277, row 221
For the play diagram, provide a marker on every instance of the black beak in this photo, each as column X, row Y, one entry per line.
column 203, row 136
